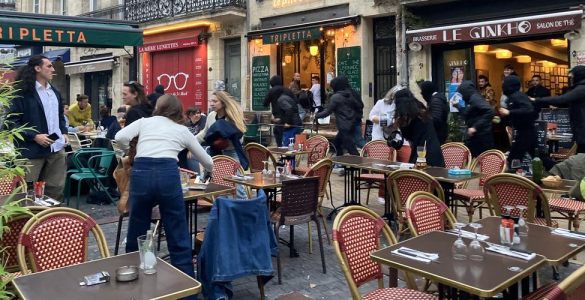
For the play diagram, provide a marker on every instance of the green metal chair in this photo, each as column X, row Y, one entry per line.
column 94, row 171
column 252, row 133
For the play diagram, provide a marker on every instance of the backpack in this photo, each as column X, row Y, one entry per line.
column 305, row 99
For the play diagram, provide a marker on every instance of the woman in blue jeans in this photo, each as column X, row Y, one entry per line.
column 155, row 177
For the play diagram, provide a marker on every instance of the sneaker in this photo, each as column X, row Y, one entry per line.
column 381, row 200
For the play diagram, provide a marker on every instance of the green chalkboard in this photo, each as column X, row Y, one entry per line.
column 349, row 64
column 260, row 81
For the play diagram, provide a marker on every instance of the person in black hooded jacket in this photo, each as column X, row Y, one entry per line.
column 438, row 107
column 347, row 111
column 521, row 115
column 575, row 100
column 478, row 115
column 284, row 111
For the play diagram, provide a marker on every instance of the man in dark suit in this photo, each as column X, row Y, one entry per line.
column 537, row 90
column 38, row 106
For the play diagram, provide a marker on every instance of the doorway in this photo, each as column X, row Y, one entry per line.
column 233, row 67
column 97, row 85
column 384, row 56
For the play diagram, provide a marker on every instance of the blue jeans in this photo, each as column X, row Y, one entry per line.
column 359, row 140
column 156, row 181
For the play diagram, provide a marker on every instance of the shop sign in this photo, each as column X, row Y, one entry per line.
column 311, row 33
column 349, row 64
column 260, row 81
column 169, row 45
column 540, row 24
column 289, row 3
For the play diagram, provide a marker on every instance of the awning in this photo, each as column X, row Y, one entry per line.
column 305, row 31
column 498, row 29
column 25, row 28
column 102, row 64
column 53, row 55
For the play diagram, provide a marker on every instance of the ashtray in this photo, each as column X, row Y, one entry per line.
column 127, row 273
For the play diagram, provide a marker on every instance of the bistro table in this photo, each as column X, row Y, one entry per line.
column 63, row 283
column 286, row 154
column 258, row 182
column 484, row 279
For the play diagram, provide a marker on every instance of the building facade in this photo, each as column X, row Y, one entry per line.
column 324, row 38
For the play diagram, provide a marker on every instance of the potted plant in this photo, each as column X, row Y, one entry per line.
column 10, row 166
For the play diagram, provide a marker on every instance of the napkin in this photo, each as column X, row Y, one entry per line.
column 415, row 254
column 469, row 234
column 568, row 233
column 508, row 252
column 406, row 166
column 387, row 166
column 238, row 177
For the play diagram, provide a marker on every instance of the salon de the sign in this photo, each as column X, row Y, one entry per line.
column 549, row 23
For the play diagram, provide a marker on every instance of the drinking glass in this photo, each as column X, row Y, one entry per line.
column 476, row 250
column 184, row 181
column 291, row 144
column 279, row 171
column 459, row 249
column 266, row 172
column 146, row 248
column 522, row 226
column 39, row 189
column 421, row 151
column 507, row 226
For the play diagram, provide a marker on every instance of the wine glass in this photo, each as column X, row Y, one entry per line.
column 266, row 172
column 522, row 226
column 476, row 251
column 459, row 249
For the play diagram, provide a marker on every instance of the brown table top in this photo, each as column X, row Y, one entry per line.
column 285, row 152
column 540, row 240
column 258, row 182
column 212, row 189
column 442, row 174
column 63, row 283
column 355, row 161
column 484, row 279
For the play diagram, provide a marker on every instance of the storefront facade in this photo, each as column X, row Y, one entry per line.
column 533, row 37
column 323, row 39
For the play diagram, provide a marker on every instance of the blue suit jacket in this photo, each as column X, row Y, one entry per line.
column 227, row 130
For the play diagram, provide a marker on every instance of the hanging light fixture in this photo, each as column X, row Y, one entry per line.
column 503, row 54
column 559, row 43
column 288, row 58
column 480, row 48
column 523, row 59
column 314, row 50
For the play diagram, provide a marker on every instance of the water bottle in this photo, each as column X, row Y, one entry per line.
column 537, row 167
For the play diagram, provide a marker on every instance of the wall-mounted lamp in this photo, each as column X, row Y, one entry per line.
column 503, row 54
column 572, row 35
column 314, row 50
column 480, row 48
column 203, row 37
column 415, row 46
column 559, row 43
column 523, row 59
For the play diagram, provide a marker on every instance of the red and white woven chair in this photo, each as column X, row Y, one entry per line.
column 403, row 183
column 9, row 184
column 318, row 147
column 257, row 154
column 321, row 169
column 512, row 190
column 571, row 288
column 569, row 209
column 57, row 238
column 380, row 150
column 356, row 234
column 456, row 155
column 225, row 166
column 488, row 163
column 427, row 213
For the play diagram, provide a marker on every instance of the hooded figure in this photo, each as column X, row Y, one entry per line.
column 522, row 115
column 478, row 115
column 575, row 100
column 438, row 106
column 159, row 90
column 284, row 108
column 347, row 108
column 417, row 127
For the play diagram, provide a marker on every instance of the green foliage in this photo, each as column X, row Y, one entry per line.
column 455, row 133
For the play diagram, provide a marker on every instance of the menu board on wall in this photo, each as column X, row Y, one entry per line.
column 540, row 127
column 260, row 81
column 349, row 64
column 559, row 116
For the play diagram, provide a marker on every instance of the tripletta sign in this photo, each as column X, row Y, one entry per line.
column 539, row 24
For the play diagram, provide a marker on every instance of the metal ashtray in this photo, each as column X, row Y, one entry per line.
column 127, row 273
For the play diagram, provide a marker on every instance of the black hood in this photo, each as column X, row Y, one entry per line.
column 511, row 85
column 159, row 89
column 275, row 81
column 427, row 89
column 466, row 89
column 339, row 84
column 578, row 74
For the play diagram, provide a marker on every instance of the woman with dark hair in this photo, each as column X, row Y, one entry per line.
column 416, row 125
column 346, row 105
column 156, row 180
column 134, row 96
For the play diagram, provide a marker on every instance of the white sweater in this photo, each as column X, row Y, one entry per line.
column 160, row 137
column 379, row 108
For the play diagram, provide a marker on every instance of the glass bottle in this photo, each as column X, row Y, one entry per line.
column 537, row 167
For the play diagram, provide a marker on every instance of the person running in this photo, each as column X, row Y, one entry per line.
column 478, row 115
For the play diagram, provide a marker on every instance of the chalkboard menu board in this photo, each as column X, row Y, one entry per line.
column 349, row 64
column 541, row 136
column 559, row 116
column 260, row 81
column 368, row 132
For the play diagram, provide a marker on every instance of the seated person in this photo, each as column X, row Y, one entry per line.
column 80, row 112
column 70, row 129
column 108, row 122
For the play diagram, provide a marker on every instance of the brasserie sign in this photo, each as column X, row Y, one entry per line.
column 311, row 33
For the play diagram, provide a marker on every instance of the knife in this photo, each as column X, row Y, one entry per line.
column 409, row 253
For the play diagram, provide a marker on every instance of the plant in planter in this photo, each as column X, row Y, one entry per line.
column 11, row 166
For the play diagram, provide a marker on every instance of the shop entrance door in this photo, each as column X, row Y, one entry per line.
column 233, row 68
column 97, row 85
column 384, row 56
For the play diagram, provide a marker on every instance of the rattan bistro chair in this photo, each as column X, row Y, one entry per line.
column 299, row 206
column 403, row 183
column 456, row 155
column 571, row 288
column 10, row 237
column 356, row 234
column 512, row 190
column 318, row 147
column 428, row 213
column 9, row 184
column 380, row 150
column 225, row 166
column 257, row 154
column 321, row 169
column 57, row 238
